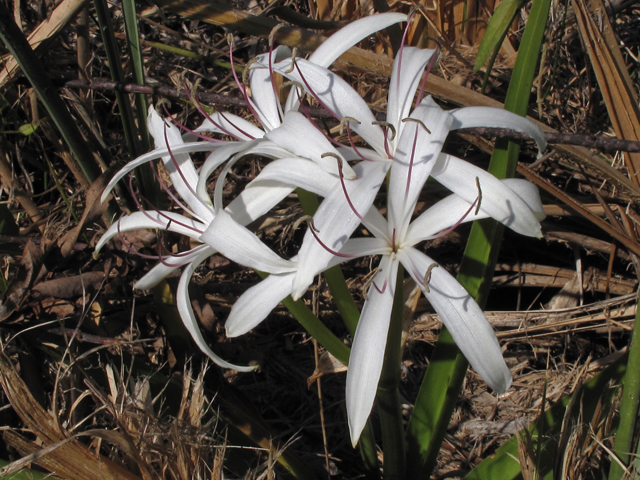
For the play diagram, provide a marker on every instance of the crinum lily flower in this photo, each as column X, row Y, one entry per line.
column 407, row 139
column 517, row 206
column 310, row 172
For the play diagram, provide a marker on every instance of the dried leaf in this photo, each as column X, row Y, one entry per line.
column 25, row 277
column 71, row 287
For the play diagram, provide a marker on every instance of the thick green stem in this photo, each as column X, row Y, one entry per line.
column 388, row 396
column 628, row 407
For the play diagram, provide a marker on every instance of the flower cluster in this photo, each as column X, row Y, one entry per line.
column 405, row 149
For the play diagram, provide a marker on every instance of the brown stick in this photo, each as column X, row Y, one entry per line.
column 604, row 144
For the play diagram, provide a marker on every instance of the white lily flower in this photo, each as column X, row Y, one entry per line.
column 395, row 241
column 224, row 229
column 407, row 139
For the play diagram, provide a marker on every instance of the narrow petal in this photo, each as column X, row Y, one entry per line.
column 263, row 95
column 298, row 172
column 212, row 162
column 254, row 305
column 498, row 200
column 463, row 318
column 180, row 166
column 470, row 117
column 408, row 68
column 242, row 246
column 369, row 343
column 170, row 221
column 299, row 136
column 336, row 221
column 191, row 147
column 162, row 270
column 229, row 124
column 450, row 210
column 415, row 156
column 256, row 200
column 338, row 96
column 347, row 37
column 189, row 319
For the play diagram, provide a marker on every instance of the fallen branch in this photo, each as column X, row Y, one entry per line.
column 598, row 142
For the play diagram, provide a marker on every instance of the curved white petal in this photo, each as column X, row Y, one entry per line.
column 254, row 305
column 230, row 124
column 335, row 221
column 499, row 201
column 189, row 319
column 297, row 172
column 180, row 166
column 242, row 246
column 212, row 162
column 363, row 247
column 170, row 221
column 265, row 99
column 470, row 117
column 463, row 318
column 256, row 200
column 191, row 147
column 162, row 270
column 408, row 68
column 299, row 136
column 338, row 96
column 450, row 210
column 369, row 343
column 415, row 156
column 347, row 37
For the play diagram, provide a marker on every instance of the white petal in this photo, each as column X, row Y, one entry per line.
column 180, row 166
column 408, row 68
column 338, row 96
column 162, row 270
column 450, row 210
column 230, row 124
column 189, row 319
column 415, row 156
column 254, row 305
column 169, row 221
column 369, row 344
column 256, row 200
column 212, row 162
column 347, row 37
column 463, row 318
column 191, row 147
column 266, row 100
column 299, row 136
column 336, row 221
column 242, row 246
column 499, row 201
column 470, row 117
column 298, row 172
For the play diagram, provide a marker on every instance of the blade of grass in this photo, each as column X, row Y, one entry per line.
column 628, row 406
column 503, row 465
column 19, row 47
column 132, row 133
column 443, row 381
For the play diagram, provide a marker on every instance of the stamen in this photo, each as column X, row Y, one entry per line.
column 413, row 153
column 290, row 83
column 314, row 230
column 184, row 128
column 247, row 71
column 346, row 120
column 387, row 125
column 384, row 286
column 453, row 227
column 479, row 200
column 294, row 54
column 409, row 119
column 310, row 90
column 427, row 276
column 393, row 241
column 175, row 162
column 344, row 186
column 367, row 284
column 432, row 62
column 241, row 86
column 272, row 34
column 352, row 143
